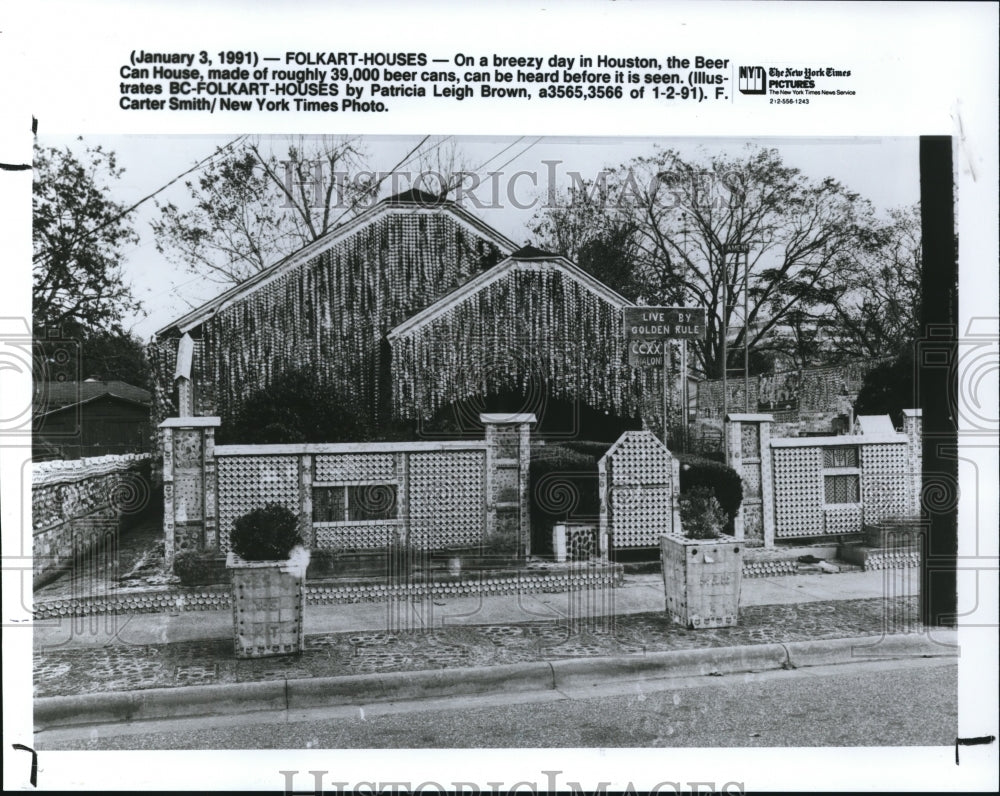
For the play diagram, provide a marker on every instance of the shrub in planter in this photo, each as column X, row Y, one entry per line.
column 703, row 569
column 724, row 481
column 701, row 515
column 587, row 447
column 268, row 567
column 265, row 534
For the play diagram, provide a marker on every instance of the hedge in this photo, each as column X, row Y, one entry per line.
column 587, row 447
column 295, row 407
column 564, row 485
column 200, row 568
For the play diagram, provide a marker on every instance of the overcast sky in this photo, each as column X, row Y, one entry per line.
column 884, row 170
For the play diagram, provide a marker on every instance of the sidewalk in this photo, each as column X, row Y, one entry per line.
column 112, row 654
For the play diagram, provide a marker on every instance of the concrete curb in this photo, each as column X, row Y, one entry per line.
column 583, row 672
column 160, row 703
column 297, row 694
column 352, row 689
column 824, row 652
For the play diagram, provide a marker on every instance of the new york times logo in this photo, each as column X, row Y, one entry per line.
column 752, row 80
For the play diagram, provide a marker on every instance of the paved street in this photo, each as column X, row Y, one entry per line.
column 891, row 703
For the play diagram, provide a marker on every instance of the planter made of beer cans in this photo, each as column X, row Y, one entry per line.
column 702, row 580
column 268, row 599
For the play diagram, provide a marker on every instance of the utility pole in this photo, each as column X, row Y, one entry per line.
column 666, row 382
column 737, row 249
column 746, row 331
column 685, row 398
column 725, row 350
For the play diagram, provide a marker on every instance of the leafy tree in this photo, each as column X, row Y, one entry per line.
column 801, row 342
column 889, row 388
column 609, row 256
column 686, row 215
column 879, row 311
column 79, row 235
column 249, row 208
column 96, row 353
column 760, row 360
column 114, row 356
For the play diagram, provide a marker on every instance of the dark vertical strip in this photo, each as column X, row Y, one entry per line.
column 936, row 376
column 382, row 411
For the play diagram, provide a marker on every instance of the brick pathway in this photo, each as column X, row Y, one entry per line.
column 64, row 672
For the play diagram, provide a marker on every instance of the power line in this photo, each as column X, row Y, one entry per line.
column 513, row 144
column 523, row 151
column 379, row 182
column 83, row 236
column 286, row 234
column 410, row 155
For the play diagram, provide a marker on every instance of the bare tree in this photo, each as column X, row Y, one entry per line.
column 566, row 227
column 250, row 207
column 440, row 167
column 879, row 311
column 687, row 216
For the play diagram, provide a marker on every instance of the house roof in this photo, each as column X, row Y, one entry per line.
column 416, row 196
column 528, row 258
column 60, row 394
column 530, row 252
column 412, row 201
column 643, row 438
column 876, row 424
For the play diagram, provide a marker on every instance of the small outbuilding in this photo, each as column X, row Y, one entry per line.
column 79, row 419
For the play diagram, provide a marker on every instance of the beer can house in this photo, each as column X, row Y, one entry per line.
column 406, row 309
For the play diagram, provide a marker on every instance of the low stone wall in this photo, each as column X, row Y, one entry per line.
column 77, row 507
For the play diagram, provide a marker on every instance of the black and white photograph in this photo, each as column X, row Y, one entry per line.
column 506, row 410
column 497, row 454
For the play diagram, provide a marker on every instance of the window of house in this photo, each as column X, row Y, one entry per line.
column 355, row 503
column 840, row 457
column 329, row 504
column 842, row 488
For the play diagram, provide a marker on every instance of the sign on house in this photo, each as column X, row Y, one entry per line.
column 647, row 330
